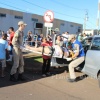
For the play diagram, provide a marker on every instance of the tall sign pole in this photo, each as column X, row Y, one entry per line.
column 48, row 19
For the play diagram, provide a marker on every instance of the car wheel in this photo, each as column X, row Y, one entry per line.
column 99, row 79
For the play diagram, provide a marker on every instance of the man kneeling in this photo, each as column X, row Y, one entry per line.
column 78, row 57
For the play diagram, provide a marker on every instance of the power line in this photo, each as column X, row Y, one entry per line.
column 48, row 9
column 91, row 23
column 67, row 6
column 38, row 6
column 18, row 8
column 13, row 7
column 54, row 11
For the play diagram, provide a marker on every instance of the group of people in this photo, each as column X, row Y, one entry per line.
column 5, row 48
column 76, row 48
column 15, row 40
column 31, row 38
column 83, row 36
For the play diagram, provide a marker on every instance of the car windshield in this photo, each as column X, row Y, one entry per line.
column 96, row 44
column 87, row 41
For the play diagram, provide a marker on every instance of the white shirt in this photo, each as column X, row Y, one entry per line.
column 65, row 35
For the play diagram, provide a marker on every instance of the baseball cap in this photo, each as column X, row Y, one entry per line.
column 71, row 37
column 22, row 23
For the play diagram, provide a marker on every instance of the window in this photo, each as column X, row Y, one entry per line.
column 71, row 25
column 96, row 44
column 33, row 19
column 79, row 30
column 87, row 41
column 62, row 24
column 2, row 15
column 39, row 25
column 19, row 17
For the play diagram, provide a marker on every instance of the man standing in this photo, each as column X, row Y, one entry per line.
column 80, row 37
column 17, row 53
column 11, row 35
column 11, row 31
column 66, row 35
column 78, row 57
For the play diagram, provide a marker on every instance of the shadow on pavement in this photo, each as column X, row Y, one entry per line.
column 32, row 71
column 33, row 66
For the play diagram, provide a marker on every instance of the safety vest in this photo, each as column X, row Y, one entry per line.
column 81, row 50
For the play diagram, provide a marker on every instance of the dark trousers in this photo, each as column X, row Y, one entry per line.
column 46, row 66
column 10, row 52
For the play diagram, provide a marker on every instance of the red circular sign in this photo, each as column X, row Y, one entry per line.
column 49, row 16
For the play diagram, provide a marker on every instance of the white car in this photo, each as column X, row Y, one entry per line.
column 92, row 60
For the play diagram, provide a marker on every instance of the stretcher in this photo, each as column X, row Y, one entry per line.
column 50, row 54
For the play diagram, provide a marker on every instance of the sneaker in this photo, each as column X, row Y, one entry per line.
column 74, row 80
column 71, row 80
column 44, row 75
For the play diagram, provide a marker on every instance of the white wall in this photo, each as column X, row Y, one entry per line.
column 67, row 27
column 8, row 21
column 27, row 19
column 11, row 21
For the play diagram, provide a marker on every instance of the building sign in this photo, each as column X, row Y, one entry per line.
column 48, row 24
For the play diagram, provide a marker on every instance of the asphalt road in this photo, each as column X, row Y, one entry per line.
column 54, row 87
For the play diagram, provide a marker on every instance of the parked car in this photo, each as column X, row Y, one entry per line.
column 92, row 60
column 86, row 43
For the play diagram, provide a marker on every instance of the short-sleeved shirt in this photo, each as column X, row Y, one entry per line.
column 3, row 47
column 11, row 38
column 18, row 39
column 65, row 39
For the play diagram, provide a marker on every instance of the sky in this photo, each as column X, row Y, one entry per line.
column 69, row 10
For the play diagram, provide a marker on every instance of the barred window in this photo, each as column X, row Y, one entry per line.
column 2, row 15
column 19, row 17
column 33, row 19
column 71, row 25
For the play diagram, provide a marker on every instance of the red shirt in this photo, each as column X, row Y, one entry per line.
column 11, row 37
column 46, row 44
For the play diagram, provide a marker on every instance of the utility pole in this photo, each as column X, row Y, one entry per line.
column 85, row 21
column 98, row 15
